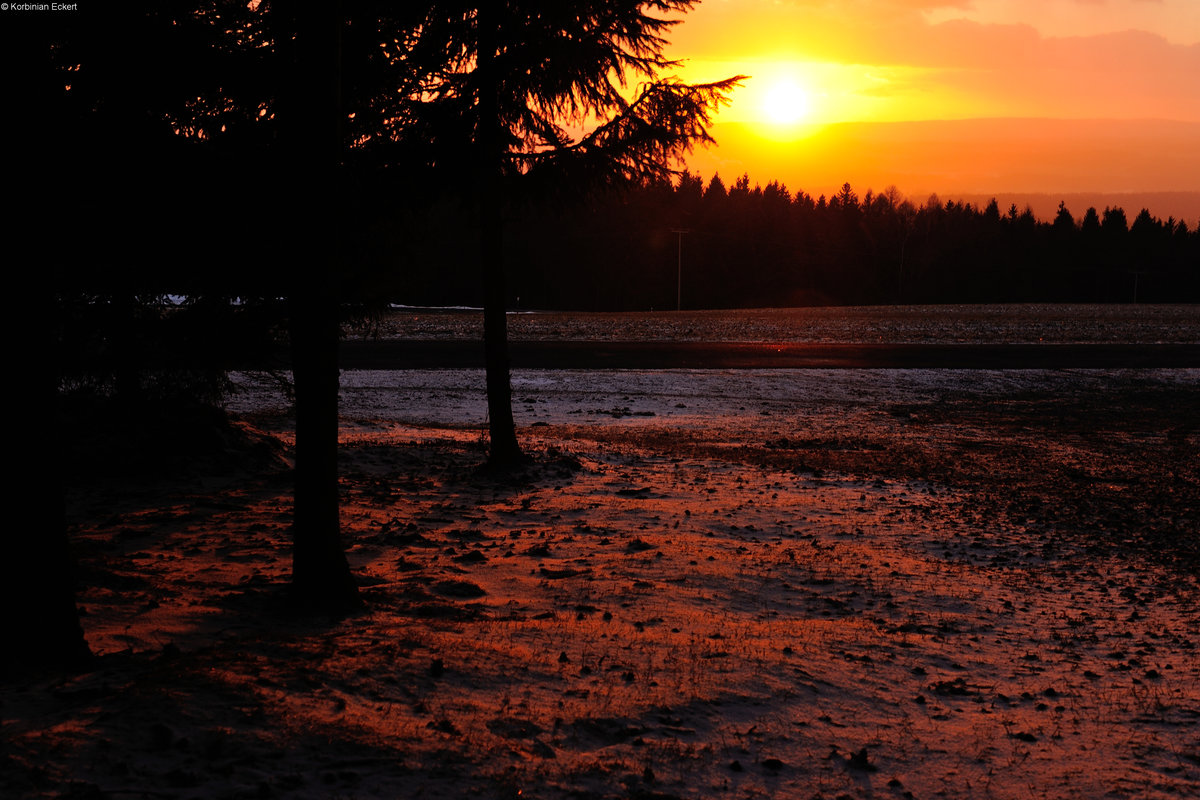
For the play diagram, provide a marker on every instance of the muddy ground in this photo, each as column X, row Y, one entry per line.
column 776, row 584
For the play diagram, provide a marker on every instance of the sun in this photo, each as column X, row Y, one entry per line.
column 785, row 103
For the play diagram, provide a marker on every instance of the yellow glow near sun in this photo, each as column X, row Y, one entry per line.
column 786, row 103
column 786, row 97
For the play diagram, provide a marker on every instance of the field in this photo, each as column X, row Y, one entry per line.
column 982, row 324
column 707, row 583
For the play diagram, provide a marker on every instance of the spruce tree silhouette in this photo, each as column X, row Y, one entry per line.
column 41, row 619
column 525, row 70
column 226, row 156
column 1064, row 222
column 311, row 143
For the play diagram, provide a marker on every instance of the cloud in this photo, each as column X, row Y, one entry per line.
column 1125, row 75
column 1176, row 20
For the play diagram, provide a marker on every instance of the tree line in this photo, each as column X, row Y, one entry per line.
column 709, row 245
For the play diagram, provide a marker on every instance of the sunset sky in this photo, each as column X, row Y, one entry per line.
column 1074, row 95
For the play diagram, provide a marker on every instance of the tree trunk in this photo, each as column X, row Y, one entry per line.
column 505, row 450
column 42, row 630
column 502, row 432
column 40, row 620
column 321, row 578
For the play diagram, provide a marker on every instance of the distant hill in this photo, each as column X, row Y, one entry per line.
column 1131, row 163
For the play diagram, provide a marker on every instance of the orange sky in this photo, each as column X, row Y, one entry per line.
column 1092, row 83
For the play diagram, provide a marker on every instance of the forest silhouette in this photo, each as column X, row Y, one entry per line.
column 766, row 246
column 251, row 159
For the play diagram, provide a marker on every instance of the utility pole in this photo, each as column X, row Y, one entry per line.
column 679, row 268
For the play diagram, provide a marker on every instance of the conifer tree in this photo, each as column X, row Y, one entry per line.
column 549, row 92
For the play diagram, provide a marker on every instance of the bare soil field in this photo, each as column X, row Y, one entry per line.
column 918, row 324
column 743, row 584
